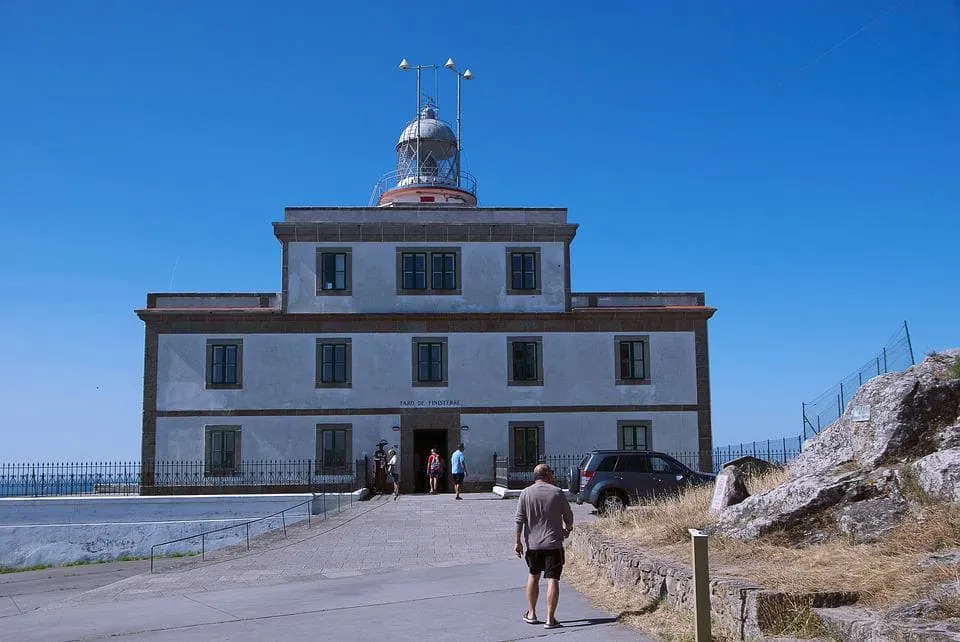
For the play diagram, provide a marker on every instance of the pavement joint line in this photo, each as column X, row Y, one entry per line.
column 195, row 601
column 307, row 612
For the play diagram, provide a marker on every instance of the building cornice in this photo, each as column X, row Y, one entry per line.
column 251, row 321
column 426, row 232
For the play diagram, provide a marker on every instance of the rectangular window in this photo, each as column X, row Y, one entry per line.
column 429, row 361
column 334, row 448
column 428, row 270
column 633, row 435
column 444, row 275
column 632, row 360
column 224, row 363
column 523, row 271
column 414, row 270
column 222, row 456
column 333, row 270
column 526, row 445
column 333, row 363
column 524, row 361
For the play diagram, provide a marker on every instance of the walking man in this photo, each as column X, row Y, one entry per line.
column 458, row 468
column 544, row 519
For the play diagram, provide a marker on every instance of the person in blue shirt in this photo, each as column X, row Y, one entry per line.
column 458, row 468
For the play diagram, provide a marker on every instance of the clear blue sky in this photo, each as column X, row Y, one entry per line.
column 802, row 173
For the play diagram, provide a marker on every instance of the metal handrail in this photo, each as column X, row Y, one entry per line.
column 203, row 535
column 467, row 183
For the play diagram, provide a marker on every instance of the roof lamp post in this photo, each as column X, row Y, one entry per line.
column 466, row 75
column 406, row 66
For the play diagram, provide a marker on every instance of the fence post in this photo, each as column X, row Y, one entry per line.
column 885, row 368
column 909, row 343
column 701, row 585
column 494, row 469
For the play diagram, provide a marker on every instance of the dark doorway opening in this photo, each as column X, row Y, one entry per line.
column 423, row 440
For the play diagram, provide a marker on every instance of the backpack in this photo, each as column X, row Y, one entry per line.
column 435, row 465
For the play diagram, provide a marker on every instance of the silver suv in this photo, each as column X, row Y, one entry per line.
column 610, row 480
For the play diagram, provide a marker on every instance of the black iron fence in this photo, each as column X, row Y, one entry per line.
column 179, row 478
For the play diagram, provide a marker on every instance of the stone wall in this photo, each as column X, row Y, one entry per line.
column 741, row 609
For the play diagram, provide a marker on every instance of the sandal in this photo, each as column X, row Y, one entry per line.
column 552, row 625
column 530, row 620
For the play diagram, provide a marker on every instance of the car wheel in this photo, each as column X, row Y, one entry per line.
column 611, row 503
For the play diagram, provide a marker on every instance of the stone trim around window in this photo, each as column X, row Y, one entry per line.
column 415, row 363
column 647, row 426
column 233, row 470
column 511, row 435
column 510, row 375
column 321, row 467
column 538, row 272
column 348, row 271
column 430, row 290
column 621, row 381
column 208, row 372
column 348, row 365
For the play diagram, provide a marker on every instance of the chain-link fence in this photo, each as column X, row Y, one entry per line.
column 896, row 355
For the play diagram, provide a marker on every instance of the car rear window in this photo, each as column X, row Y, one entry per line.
column 608, row 464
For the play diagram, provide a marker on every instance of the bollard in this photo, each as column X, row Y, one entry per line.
column 701, row 584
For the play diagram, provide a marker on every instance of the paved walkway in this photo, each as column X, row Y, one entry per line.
column 421, row 566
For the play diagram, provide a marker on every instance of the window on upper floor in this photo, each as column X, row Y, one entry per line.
column 633, row 435
column 334, row 449
column 334, row 363
column 334, row 270
column 523, row 271
column 525, row 361
column 428, row 271
column 632, row 360
column 444, row 272
column 224, row 363
column 430, row 361
column 222, row 451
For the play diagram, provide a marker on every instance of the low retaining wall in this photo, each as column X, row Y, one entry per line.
column 740, row 608
column 64, row 530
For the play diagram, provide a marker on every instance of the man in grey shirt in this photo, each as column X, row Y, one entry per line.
column 544, row 519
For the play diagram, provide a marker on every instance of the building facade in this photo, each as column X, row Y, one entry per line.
column 424, row 321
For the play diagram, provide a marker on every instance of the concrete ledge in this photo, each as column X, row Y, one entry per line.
column 513, row 493
column 862, row 625
column 742, row 609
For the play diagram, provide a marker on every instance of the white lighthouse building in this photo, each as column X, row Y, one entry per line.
column 425, row 320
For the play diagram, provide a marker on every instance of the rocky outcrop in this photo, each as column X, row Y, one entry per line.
column 848, row 480
column 938, row 474
column 871, row 519
column 907, row 415
column 730, row 489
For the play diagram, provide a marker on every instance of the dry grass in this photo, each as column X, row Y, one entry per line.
column 884, row 574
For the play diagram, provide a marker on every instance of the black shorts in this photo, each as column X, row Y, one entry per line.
column 457, row 478
column 395, row 477
column 434, row 474
column 549, row 562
